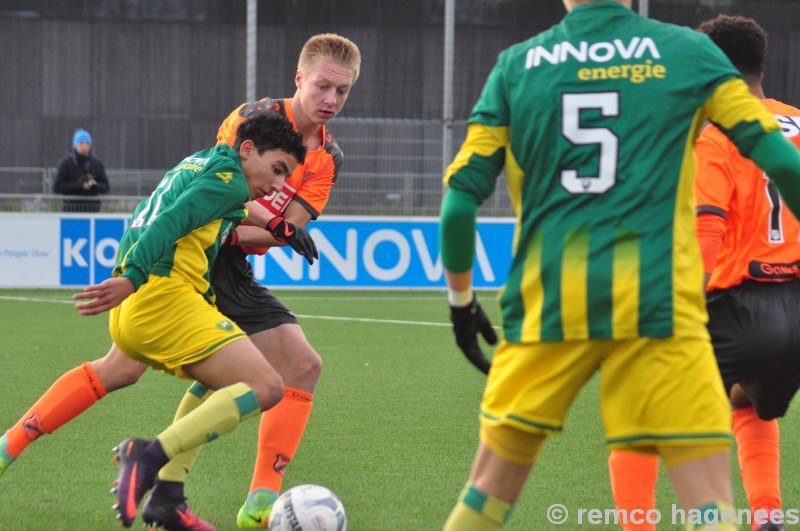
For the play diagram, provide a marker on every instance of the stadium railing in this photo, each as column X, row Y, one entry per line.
column 414, row 196
column 391, row 167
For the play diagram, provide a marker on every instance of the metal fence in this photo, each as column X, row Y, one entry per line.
column 151, row 80
column 128, row 71
column 391, row 167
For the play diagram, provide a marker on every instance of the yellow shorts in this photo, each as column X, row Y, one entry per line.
column 653, row 392
column 167, row 324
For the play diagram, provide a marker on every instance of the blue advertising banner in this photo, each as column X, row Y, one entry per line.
column 384, row 253
column 75, row 252
column 89, row 249
column 355, row 252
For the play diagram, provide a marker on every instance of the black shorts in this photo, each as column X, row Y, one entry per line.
column 252, row 306
column 755, row 329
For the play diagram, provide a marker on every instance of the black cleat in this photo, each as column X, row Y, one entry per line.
column 172, row 515
column 136, row 476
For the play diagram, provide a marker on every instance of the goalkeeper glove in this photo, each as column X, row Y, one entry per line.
column 295, row 237
column 467, row 322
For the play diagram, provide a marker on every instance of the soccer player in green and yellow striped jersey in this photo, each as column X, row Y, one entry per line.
column 161, row 305
column 594, row 121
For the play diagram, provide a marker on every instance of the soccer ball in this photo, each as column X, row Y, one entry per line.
column 308, row 508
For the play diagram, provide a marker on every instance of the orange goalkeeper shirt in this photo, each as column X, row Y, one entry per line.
column 761, row 240
column 311, row 183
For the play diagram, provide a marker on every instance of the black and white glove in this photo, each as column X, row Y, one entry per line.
column 295, row 237
column 468, row 321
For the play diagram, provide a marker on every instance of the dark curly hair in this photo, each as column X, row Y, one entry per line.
column 742, row 40
column 271, row 131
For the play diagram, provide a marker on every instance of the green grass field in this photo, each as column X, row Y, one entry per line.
column 393, row 429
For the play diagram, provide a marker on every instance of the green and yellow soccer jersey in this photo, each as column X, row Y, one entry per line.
column 176, row 232
column 595, row 120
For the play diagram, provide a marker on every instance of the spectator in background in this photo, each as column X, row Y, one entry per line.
column 81, row 174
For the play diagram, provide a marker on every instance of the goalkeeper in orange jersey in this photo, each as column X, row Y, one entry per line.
column 327, row 68
column 750, row 244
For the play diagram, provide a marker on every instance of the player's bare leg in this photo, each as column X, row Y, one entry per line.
column 495, row 484
column 116, row 370
column 702, row 480
column 289, row 352
column 704, row 483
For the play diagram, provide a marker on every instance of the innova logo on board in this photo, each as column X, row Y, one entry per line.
column 354, row 252
column 383, row 254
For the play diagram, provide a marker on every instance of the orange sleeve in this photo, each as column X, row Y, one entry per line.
column 713, row 188
column 714, row 179
column 710, row 233
column 315, row 192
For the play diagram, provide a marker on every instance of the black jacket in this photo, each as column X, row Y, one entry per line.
column 74, row 170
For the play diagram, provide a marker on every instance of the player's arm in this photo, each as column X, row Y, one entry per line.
column 714, row 186
column 308, row 202
column 253, row 235
column 457, row 237
column 780, row 159
column 470, row 179
column 280, row 230
column 104, row 296
column 710, row 234
column 206, row 199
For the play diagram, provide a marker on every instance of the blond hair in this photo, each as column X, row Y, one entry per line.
column 330, row 47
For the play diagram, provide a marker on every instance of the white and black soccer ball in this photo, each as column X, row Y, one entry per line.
column 308, row 508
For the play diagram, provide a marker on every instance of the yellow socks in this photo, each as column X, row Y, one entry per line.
column 179, row 466
column 476, row 511
column 218, row 415
column 717, row 516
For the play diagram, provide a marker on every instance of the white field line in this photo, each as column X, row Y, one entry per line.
column 325, row 317
column 364, row 320
column 34, row 299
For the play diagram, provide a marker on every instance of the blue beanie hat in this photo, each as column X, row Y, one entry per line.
column 81, row 135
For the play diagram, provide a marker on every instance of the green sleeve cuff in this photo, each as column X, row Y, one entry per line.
column 134, row 275
column 780, row 159
column 457, row 230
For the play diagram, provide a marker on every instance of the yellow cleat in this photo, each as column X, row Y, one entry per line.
column 255, row 511
column 5, row 458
